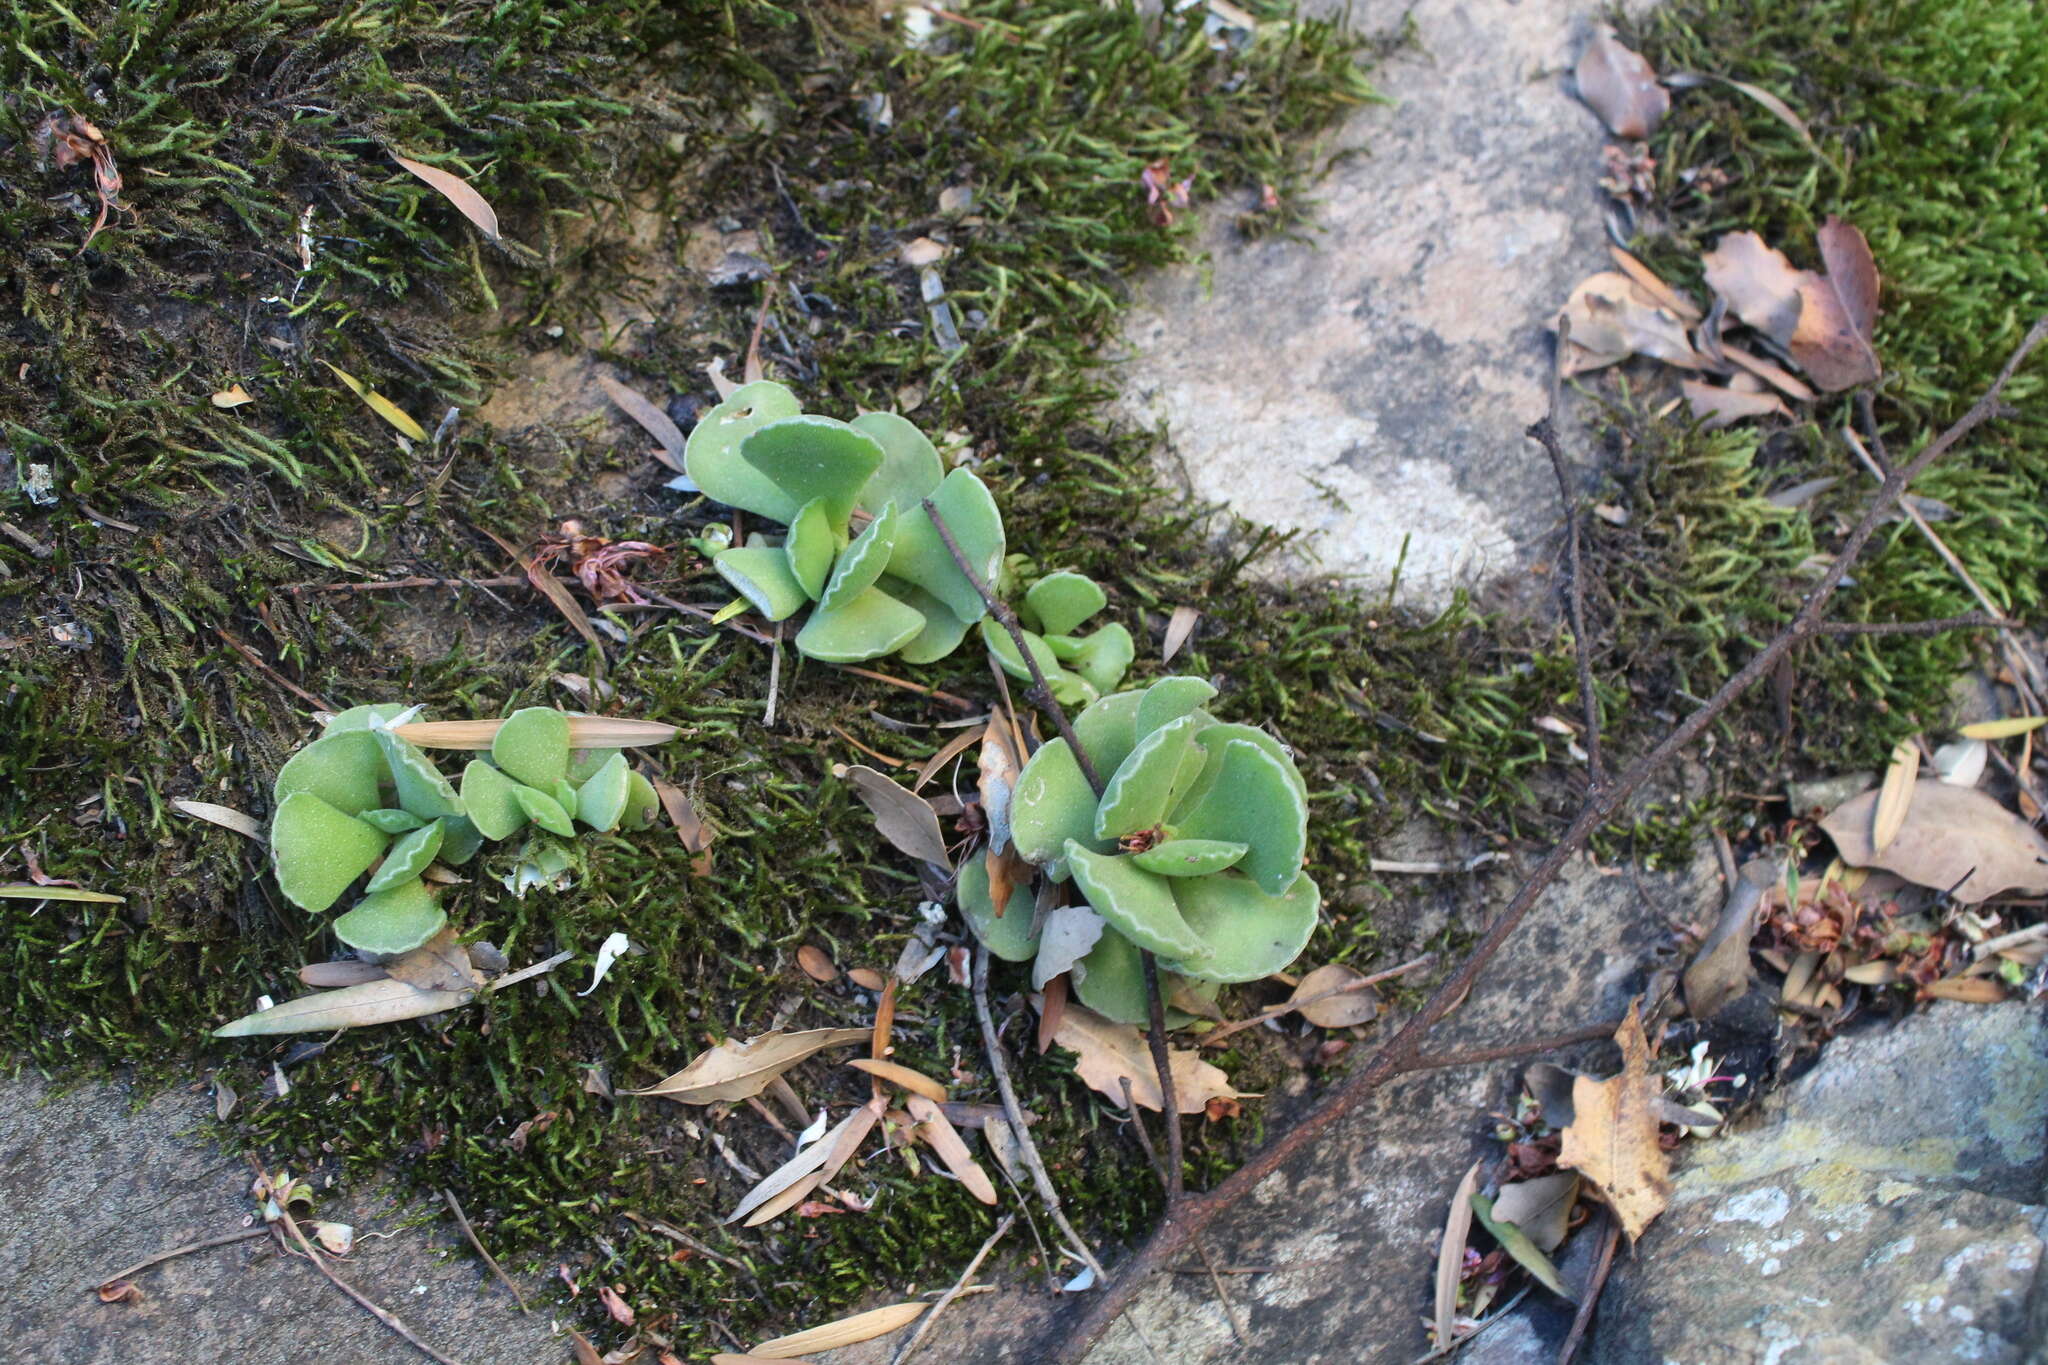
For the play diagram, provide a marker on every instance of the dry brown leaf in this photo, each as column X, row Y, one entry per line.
column 1954, row 838
column 1838, row 317
column 553, row 589
column 877, row 1322
column 916, row 1082
column 1895, row 796
column 1652, row 283
column 231, row 397
column 785, row 1201
column 736, row 1071
column 227, row 817
column 951, row 750
column 1111, row 1053
column 383, row 1001
column 1719, row 972
column 1761, row 286
column 1779, row 378
column 695, row 835
column 1612, row 318
column 1717, row 407
column 1450, row 1257
column 904, row 818
column 1052, row 1011
column 867, row 978
column 585, row 732
column 1179, row 627
column 329, row 976
column 816, row 965
column 585, row 1353
column 1541, row 1208
column 924, row 251
column 456, row 191
column 996, row 772
column 1971, row 990
column 808, row 1169
column 439, row 964
column 885, row 1023
column 1619, row 86
column 1342, row 1003
column 945, row 1140
column 621, row 1311
column 1612, row 1138
column 651, row 418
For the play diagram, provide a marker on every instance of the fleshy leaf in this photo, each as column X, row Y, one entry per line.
column 761, row 573
column 388, row 820
column 812, row 458
column 394, row 921
column 533, row 746
column 1249, row 934
column 1062, row 601
column 1137, row 904
column 1108, row 729
column 565, row 797
column 997, row 638
column 643, row 803
column 1007, row 935
column 360, row 717
column 863, row 561
column 1111, row 980
column 318, row 850
column 1051, row 804
column 584, row 763
column 492, row 800
column 1104, row 657
column 1189, row 857
column 408, row 858
column 1249, row 797
column 1139, row 794
column 869, row 626
column 810, row 546
column 1169, row 699
column 422, row 788
column 601, row 800
column 943, row 631
column 544, row 811
column 1214, row 737
column 460, row 839
column 910, row 470
column 711, row 456
column 970, row 513
column 343, row 770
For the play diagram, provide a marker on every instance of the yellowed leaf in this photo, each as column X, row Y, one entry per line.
column 379, row 404
column 231, row 397
column 877, row 1322
column 1954, row 839
column 1111, row 1052
column 1895, row 797
column 456, row 191
column 944, row 1139
column 30, row 891
column 1612, row 1138
column 585, row 732
column 916, row 1082
column 2002, row 729
column 227, row 817
column 735, row 1071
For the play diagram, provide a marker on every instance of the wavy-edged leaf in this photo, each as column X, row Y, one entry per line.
column 910, row 467
column 1061, row 601
column 969, row 511
column 868, row 626
column 1139, row 793
column 1190, row 857
column 1051, row 805
column 943, row 631
column 344, row 770
column 423, row 788
column 532, row 745
column 408, row 858
column 762, row 575
column 1248, row 934
column 491, row 800
column 397, row 919
column 814, row 459
column 711, row 456
column 1249, row 797
column 1137, row 904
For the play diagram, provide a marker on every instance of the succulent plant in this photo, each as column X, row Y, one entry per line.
column 1193, row 851
column 362, row 799
column 858, row 548
column 1079, row 668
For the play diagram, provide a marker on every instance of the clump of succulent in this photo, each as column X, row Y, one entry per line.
column 363, row 799
column 1078, row 668
column 858, row 547
column 1193, row 852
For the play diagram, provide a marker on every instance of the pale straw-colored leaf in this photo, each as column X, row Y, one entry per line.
column 877, row 1322
column 227, row 817
column 374, row 1002
column 585, row 732
column 456, row 191
column 1895, row 798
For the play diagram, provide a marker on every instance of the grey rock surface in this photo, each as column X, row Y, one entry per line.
column 1369, row 387
column 90, row 1184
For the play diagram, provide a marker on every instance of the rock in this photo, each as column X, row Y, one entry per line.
column 1369, row 387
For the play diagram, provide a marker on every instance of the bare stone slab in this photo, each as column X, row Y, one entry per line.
column 1369, row 388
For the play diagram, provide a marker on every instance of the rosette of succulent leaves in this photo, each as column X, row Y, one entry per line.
column 361, row 799
column 858, row 548
column 1193, row 851
column 1079, row 668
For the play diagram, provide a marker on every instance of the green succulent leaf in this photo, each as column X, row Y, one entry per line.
column 970, row 512
column 813, row 458
column 408, row 858
column 1169, row 699
column 601, row 801
column 460, row 839
column 943, row 631
column 584, row 763
column 422, row 788
column 997, row 637
column 533, row 746
column 1061, row 601
column 910, row 470
column 1142, row 790
column 1104, row 657
column 1108, row 729
column 863, row 562
column 1214, row 737
column 711, row 456
column 397, row 920
column 364, row 717
column 1137, row 904
column 643, row 803
column 491, row 800
column 1189, row 857
column 810, row 546
column 544, row 811
column 389, row 820
column 1248, row 933
column 1250, row 796
column 869, row 626
column 761, row 573
column 1007, row 935
column 344, row 770
column 318, row 851
column 1051, row 804
column 565, row 797
column 1111, row 980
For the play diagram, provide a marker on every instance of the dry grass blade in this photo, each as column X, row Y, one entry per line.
column 555, row 591
column 227, row 817
column 916, row 1082
column 954, row 747
column 1450, row 1257
column 379, row 404
column 456, row 191
column 2002, row 729
column 585, row 732
column 878, row 1322
column 29, row 891
column 1895, row 797
column 651, row 418
column 734, row 1071
column 944, row 1139
column 809, row 1168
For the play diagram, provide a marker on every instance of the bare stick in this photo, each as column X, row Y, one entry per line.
column 1398, row 1055
column 1477, row 1056
column 383, row 1316
column 1589, row 1300
column 1544, row 433
column 546, row 964
column 393, row 584
column 244, row 1235
column 1162, row 1062
column 256, row 662
column 462, row 1220
column 924, row 1324
column 1968, row 621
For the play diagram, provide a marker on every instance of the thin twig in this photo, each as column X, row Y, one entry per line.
column 1237, row 1328
column 244, row 1235
column 381, row 1314
column 1162, row 1062
column 1398, row 1055
column 774, row 677
column 1968, row 621
column 462, row 1221
column 1479, row 1056
column 1590, row 1299
column 924, row 1324
column 1290, row 1006
column 1544, row 433
column 256, row 661
column 546, row 964
column 393, row 584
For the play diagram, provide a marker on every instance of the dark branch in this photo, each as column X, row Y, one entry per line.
column 1975, row 620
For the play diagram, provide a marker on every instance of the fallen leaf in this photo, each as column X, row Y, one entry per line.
column 120, row 1291
column 695, row 834
column 783, row 1187
column 224, row 1099
column 1519, row 1245
column 1717, row 407
column 585, row 732
column 945, row 1140
column 2002, row 729
column 1971, row 990
column 379, row 404
column 1954, row 839
column 1179, row 627
column 227, row 817
column 867, row 978
column 1665, row 296
column 1761, row 286
column 1776, row 376
column 374, row 1002
column 877, row 1322
column 885, row 1023
column 586, row 1354
column 1450, row 1257
column 1834, row 340
column 231, row 397
column 456, row 191
column 737, row 1071
column 995, row 777
column 904, row 818
column 951, row 750
column 1612, row 1138
column 1112, row 1053
column 916, row 1082
column 1719, row 972
column 337, row 1238
column 1052, row 1010
column 923, row 251
column 816, row 965
column 1619, row 86
column 1895, row 795
column 1003, row 1145
column 1329, row 998
column 439, row 964
column 1612, row 317
column 650, row 417
column 1779, row 109
column 621, row 1311
column 29, row 891
column 1069, row 934
column 1542, row 1207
